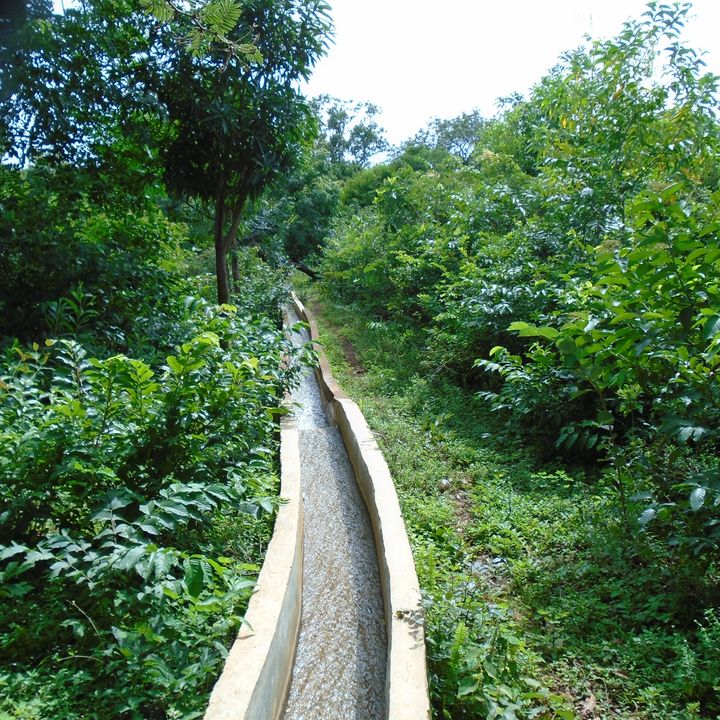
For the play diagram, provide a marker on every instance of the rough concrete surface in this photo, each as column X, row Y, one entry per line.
column 340, row 665
column 256, row 677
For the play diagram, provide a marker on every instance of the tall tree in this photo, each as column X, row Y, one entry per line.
column 458, row 136
column 108, row 80
column 239, row 127
column 349, row 134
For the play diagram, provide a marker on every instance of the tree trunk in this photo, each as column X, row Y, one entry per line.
column 231, row 238
column 303, row 268
column 221, row 270
column 231, row 245
column 235, row 268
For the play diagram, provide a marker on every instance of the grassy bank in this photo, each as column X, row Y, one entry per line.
column 542, row 599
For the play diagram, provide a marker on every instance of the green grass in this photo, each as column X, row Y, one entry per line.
column 540, row 601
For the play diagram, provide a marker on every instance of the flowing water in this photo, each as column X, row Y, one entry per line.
column 340, row 663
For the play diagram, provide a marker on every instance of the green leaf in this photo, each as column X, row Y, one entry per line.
column 221, row 16
column 605, row 417
column 683, row 430
column 176, row 509
column 685, row 433
column 527, row 330
column 174, row 365
column 467, row 685
column 563, row 714
column 208, row 606
column 148, row 528
column 567, row 346
column 671, row 190
column 118, row 500
column 708, row 229
column 131, row 557
column 194, row 576
column 711, row 327
column 11, row 551
column 266, row 504
column 160, row 9
column 647, row 516
column 193, row 715
column 697, row 498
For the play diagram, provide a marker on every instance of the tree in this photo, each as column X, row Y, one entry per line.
column 109, row 80
column 209, row 22
column 238, row 127
column 458, row 136
column 294, row 216
column 349, row 133
column 14, row 15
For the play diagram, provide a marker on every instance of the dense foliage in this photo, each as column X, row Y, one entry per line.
column 129, row 494
column 58, row 231
column 560, row 262
column 546, row 278
column 138, row 443
column 137, row 454
column 295, row 216
column 116, row 89
column 537, row 604
column 586, row 216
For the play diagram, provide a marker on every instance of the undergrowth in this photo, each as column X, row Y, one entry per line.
column 137, row 501
column 541, row 600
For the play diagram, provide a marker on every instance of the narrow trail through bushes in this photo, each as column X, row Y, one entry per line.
column 349, row 351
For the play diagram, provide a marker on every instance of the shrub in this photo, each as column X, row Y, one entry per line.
column 117, row 480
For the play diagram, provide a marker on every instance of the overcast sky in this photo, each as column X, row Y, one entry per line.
column 419, row 59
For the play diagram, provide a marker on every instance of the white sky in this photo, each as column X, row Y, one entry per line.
column 420, row 59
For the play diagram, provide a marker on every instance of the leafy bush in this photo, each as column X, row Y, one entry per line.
column 479, row 665
column 56, row 237
column 117, row 480
column 508, row 545
column 634, row 358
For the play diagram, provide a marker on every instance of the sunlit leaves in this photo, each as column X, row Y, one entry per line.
column 162, row 10
column 116, row 476
column 527, row 330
